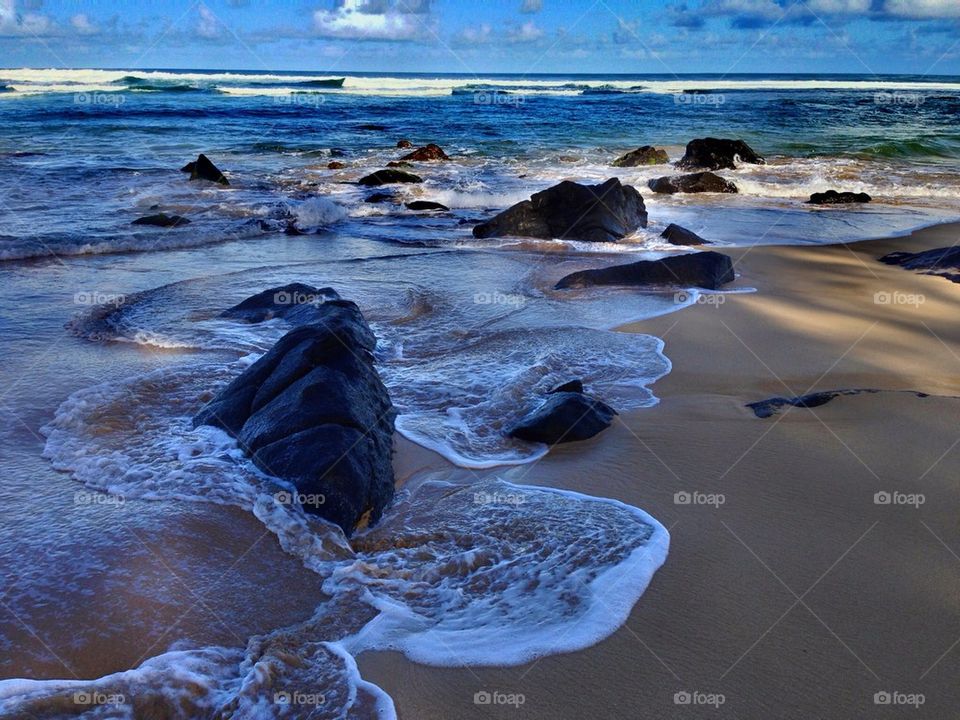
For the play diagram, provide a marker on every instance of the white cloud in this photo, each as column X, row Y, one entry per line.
column 483, row 33
column 81, row 23
column 924, row 9
column 208, row 26
column 528, row 32
column 839, row 6
column 531, row 6
column 16, row 23
column 374, row 20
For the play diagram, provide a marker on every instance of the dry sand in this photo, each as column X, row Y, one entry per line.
column 799, row 596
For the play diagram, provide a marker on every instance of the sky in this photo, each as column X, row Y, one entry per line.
column 488, row 36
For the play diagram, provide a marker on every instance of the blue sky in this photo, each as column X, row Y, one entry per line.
column 477, row 36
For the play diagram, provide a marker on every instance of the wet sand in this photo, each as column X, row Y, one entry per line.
column 797, row 596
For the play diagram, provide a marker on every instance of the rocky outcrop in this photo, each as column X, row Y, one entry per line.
column 203, row 169
column 709, row 270
column 161, row 220
column 832, row 197
column 596, row 213
column 389, row 176
column 426, row 153
column 646, row 155
column 426, row 205
column 313, row 412
column 702, row 182
column 296, row 303
column 676, row 235
column 944, row 262
column 567, row 415
column 717, row 154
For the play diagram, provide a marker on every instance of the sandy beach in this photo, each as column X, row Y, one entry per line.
column 789, row 591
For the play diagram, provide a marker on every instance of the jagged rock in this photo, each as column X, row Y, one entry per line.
column 676, row 235
column 693, row 183
column 426, row 205
column 597, row 213
column 646, row 155
column 718, row 154
column 203, row 169
column 708, row 270
column 313, row 412
column 161, row 220
column 388, row 176
column 295, row 302
column 564, row 417
column 426, row 153
column 832, row 197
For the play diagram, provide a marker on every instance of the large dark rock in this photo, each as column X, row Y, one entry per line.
column 832, row 197
column 313, row 412
column 717, row 154
column 161, row 220
column 646, row 155
column 702, row 182
column 296, row 302
column 708, row 270
column 677, row 235
column 389, row 176
column 571, row 211
column 564, row 417
column 944, row 262
column 426, row 153
column 203, row 169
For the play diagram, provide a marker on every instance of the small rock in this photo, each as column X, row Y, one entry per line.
column 708, row 270
column 426, row 153
column 832, row 197
column 646, row 155
column 203, row 169
column 718, row 154
column 426, row 205
column 676, row 235
column 389, row 176
column 703, row 182
column 161, row 220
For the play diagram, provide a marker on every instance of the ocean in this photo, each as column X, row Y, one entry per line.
column 113, row 341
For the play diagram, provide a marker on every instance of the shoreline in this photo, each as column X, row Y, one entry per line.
column 797, row 579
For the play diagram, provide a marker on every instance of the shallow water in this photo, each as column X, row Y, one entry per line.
column 113, row 341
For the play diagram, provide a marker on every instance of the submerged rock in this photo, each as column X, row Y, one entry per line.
column 161, row 220
column 565, row 416
column 313, row 412
column 832, row 197
column 703, row 182
column 944, row 262
column 379, row 197
column 426, row 205
column 646, row 155
column 287, row 301
column 335, row 165
column 404, row 144
column 426, row 153
column 718, row 154
column 596, row 213
column 708, row 270
column 203, row 169
column 676, row 235
column 389, row 176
